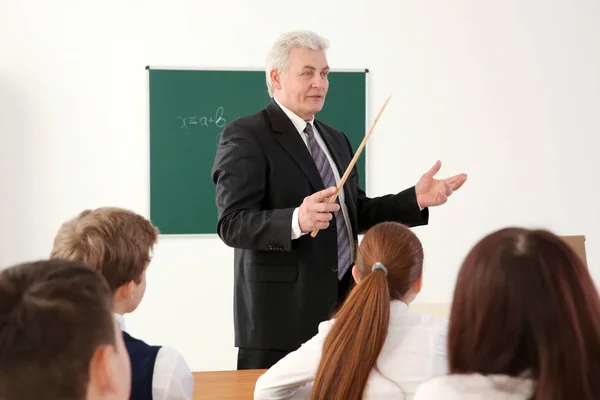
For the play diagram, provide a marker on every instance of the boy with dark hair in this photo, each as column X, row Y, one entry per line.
column 50, row 348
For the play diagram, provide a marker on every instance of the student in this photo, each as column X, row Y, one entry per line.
column 117, row 243
column 375, row 347
column 525, row 323
column 50, row 348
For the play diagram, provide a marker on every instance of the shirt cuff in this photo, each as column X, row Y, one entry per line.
column 296, row 232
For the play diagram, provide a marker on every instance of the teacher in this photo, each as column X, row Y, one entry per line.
column 274, row 172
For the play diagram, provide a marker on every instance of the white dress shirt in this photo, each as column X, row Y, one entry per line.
column 414, row 352
column 172, row 378
column 476, row 387
column 300, row 125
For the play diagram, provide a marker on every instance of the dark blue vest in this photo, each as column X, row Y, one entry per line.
column 142, row 358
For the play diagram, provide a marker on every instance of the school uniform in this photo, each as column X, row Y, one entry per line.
column 414, row 352
column 157, row 372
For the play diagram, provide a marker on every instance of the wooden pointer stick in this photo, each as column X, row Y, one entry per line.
column 354, row 159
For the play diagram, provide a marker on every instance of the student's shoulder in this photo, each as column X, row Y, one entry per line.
column 172, row 377
column 325, row 326
column 169, row 356
column 136, row 344
column 323, row 330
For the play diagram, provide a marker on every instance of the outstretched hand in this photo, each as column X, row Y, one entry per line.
column 434, row 192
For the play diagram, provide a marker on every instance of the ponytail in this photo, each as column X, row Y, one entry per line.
column 355, row 340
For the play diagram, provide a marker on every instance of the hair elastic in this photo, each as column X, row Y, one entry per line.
column 380, row 266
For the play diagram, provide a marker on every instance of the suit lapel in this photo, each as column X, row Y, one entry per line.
column 290, row 140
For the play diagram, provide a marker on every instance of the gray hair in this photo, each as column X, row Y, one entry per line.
column 279, row 55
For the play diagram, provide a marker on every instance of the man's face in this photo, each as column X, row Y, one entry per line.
column 302, row 88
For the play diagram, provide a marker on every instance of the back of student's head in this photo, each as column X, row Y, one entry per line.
column 58, row 338
column 360, row 328
column 525, row 304
column 113, row 241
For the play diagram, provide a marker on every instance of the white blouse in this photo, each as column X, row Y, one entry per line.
column 475, row 387
column 414, row 351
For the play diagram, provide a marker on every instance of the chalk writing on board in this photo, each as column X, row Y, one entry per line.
column 196, row 121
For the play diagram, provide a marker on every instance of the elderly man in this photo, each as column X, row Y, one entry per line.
column 274, row 172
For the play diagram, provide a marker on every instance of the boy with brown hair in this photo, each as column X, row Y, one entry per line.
column 50, row 348
column 117, row 243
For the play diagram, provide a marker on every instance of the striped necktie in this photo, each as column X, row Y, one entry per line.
column 324, row 167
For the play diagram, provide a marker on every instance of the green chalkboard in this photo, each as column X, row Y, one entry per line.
column 188, row 110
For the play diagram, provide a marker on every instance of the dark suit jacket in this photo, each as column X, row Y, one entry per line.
column 284, row 288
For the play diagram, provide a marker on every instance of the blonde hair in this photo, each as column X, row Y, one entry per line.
column 113, row 241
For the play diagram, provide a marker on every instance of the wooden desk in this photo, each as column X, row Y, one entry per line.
column 226, row 385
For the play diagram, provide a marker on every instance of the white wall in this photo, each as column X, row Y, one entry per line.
column 508, row 91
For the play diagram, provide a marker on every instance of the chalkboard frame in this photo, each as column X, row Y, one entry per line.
column 148, row 68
